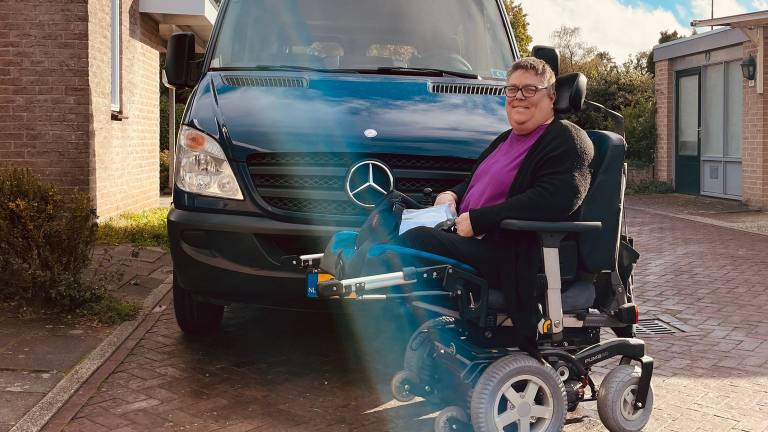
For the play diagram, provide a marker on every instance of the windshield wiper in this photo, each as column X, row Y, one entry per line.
column 282, row 68
column 422, row 71
column 384, row 70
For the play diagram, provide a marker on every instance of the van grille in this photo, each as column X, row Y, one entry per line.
column 252, row 81
column 471, row 89
column 313, row 183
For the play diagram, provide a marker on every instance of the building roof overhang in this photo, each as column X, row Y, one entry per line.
column 702, row 42
column 751, row 19
column 196, row 16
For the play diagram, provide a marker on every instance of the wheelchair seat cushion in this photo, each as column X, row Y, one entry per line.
column 415, row 257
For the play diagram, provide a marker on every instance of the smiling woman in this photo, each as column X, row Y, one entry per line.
column 537, row 170
column 530, row 95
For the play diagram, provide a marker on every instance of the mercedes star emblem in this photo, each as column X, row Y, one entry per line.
column 367, row 182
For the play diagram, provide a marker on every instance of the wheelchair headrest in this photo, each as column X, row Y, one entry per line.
column 570, row 91
column 549, row 55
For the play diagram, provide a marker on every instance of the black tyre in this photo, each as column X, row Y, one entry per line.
column 451, row 419
column 616, row 398
column 518, row 393
column 193, row 316
column 401, row 386
column 417, row 353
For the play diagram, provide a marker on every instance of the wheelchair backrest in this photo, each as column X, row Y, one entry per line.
column 598, row 250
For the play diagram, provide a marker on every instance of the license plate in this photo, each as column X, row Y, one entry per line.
column 313, row 279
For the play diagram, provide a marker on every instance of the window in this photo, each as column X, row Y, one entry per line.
column 455, row 35
column 116, row 56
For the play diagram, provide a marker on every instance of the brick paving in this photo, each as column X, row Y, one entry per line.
column 284, row 371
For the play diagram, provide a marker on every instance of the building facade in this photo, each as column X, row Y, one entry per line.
column 80, row 92
column 711, row 124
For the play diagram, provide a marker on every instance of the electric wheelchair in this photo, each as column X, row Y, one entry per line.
column 460, row 358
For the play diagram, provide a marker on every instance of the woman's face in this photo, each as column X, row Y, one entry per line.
column 527, row 113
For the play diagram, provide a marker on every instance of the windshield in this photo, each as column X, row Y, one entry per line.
column 453, row 35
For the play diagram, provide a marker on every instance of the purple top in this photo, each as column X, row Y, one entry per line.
column 491, row 182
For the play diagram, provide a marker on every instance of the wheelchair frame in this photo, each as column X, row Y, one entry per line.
column 471, row 294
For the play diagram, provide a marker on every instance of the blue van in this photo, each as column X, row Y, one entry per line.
column 303, row 114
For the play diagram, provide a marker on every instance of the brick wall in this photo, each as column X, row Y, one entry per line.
column 665, row 140
column 44, row 100
column 752, row 139
column 124, row 168
column 639, row 173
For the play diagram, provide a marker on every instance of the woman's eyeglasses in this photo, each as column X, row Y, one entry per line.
column 528, row 91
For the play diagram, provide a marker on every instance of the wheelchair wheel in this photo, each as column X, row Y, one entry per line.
column 616, row 398
column 451, row 419
column 418, row 356
column 401, row 385
column 518, row 393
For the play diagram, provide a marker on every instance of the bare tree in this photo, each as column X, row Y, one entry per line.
column 573, row 51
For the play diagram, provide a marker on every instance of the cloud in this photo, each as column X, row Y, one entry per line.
column 611, row 26
column 702, row 9
column 760, row 4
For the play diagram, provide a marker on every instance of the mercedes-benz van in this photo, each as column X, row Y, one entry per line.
column 303, row 113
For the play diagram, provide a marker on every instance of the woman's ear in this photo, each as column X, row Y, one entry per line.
column 553, row 95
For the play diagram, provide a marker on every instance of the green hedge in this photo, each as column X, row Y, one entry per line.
column 46, row 241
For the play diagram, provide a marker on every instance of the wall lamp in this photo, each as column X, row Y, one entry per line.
column 748, row 68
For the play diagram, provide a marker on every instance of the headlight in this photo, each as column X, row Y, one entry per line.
column 202, row 168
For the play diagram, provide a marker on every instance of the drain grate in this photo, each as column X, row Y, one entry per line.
column 654, row 327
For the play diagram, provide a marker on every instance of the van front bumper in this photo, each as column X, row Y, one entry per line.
column 225, row 258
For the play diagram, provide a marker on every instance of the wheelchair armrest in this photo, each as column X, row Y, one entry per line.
column 549, row 227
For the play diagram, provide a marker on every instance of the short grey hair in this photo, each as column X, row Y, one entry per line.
column 539, row 67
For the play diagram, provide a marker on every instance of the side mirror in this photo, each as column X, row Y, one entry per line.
column 180, row 68
column 549, row 55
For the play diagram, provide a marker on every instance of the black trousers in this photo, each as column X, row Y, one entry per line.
column 497, row 259
column 482, row 254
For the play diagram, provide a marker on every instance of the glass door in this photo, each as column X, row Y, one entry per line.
column 688, row 132
column 721, row 112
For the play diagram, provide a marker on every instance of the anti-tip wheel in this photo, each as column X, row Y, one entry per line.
column 451, row 419
column 401, row 385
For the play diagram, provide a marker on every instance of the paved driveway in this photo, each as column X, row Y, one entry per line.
column 278, row 371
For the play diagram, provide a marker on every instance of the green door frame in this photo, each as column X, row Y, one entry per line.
column 687, row 167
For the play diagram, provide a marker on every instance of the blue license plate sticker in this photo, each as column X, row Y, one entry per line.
column 312, row 279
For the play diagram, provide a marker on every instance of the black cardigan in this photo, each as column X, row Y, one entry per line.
column 549, row 186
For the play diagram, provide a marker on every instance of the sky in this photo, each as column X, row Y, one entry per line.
column 624, row 27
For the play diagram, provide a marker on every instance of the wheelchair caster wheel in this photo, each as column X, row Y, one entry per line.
column 401, row 386
column 451, row 419
column 518, row 392
column 616, row 400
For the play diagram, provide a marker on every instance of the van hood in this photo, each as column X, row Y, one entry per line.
column 324, row 112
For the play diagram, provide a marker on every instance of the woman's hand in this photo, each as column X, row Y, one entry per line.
column 447, row 198
column 464, row 225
